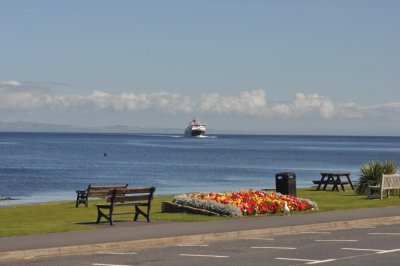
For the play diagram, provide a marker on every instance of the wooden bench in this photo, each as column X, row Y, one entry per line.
column 120, row 197
column 94, row 191
column 388, row 182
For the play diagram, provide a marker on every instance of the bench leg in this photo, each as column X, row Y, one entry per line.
column 77, row 200
column 335, row 186
column 80, row 201
column 99, row 215
column 330, row 179
column 81, row 197
column 341, row 184
column 351, row 183
column 102, row 214
column 326, row 184
column 139, row 211
column 320, row 183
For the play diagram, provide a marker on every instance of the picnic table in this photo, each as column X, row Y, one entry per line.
column 334, row 179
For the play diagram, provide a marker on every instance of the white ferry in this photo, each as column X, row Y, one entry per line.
column 195, row 129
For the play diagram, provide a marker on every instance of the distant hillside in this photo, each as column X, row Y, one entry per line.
column 44, row 127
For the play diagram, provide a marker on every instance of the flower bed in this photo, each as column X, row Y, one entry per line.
column 248, row 202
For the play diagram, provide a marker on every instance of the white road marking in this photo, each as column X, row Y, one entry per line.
column 208, row 256
column 388, row 251
column 321, row 261
column 117, row 253
column 395, row 234
column 294, row 259
column 308, row 261
column 191, row 245
column 364, row 249
column 258, row 238
column 102, row 264
column 336, row 240
column 275, row 247
column 315, row 232
column 378, row 251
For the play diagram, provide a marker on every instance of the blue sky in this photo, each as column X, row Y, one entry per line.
column 292, row 67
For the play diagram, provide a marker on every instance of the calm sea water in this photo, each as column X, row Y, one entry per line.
column 37, row 167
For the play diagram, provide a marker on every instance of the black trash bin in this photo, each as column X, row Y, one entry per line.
column 286, row 183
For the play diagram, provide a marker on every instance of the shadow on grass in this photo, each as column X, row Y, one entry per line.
column 115, row 222
column 312, row 190
column 87, row 223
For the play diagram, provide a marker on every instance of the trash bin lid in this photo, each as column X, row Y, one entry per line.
column 286, row 173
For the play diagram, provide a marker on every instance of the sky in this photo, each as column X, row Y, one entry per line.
column 258, row 67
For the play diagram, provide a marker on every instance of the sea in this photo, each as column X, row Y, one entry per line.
column 41, row 167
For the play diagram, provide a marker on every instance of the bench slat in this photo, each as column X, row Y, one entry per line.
column 134, row 190
column 102, row 194
column 108, row 187
column 137, row 203
column 131, row 198
column 93, row 189
column 317, row 182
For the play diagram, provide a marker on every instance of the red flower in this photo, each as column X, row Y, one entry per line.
column 253, row 202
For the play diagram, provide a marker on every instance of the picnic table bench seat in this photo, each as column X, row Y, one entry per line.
column 122, row 197
column 94, row 191
column 330, row 182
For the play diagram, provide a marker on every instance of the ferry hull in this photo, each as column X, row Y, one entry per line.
column 194, row 133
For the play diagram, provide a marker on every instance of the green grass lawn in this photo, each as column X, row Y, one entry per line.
column 333, row 200
column 63, row 216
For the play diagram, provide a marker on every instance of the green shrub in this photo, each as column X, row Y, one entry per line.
column 372, row 173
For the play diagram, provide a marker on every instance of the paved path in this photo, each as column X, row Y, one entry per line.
column 129, row 234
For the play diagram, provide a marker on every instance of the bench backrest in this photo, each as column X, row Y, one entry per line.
column 390, row 181
column 126, row 195
column 102, row 191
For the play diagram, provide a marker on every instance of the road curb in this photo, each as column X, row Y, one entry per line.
column 35, row 253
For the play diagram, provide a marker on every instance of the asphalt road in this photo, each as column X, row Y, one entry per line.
column 360, row 246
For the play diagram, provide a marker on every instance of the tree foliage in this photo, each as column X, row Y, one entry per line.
column 372, row 173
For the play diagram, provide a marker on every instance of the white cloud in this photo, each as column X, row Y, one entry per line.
column 306, row 105
column 248, row 102
column 350, row 110
column 12, row 83
column 169, row 102
column 15, row 95
column 132, row 102
column 281, row 109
